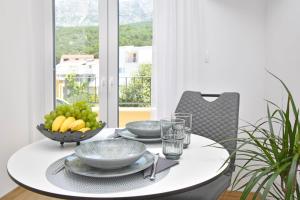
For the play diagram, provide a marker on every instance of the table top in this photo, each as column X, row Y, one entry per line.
column 198, row 165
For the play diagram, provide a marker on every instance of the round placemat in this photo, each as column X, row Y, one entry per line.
column 76, row 183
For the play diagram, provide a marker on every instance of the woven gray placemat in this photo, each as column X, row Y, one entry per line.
column 76, row 183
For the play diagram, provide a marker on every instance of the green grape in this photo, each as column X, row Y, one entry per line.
column 46, row 117
column 71, row 111
column 91, row 117
column 68, row 114
column 53, row 114
column 95, row 114
column 51, row 121
column 84, row 112
column 79, row 104
column 77, row 111
column 79, row 116
column 97, row 126
column 63, row 109
column 47, row 125
column 59, row 113
column 93, row 122
column 88, row 124
column 84, row 118
column 59, row 108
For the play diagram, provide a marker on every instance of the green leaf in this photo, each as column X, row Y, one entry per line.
column 257, row 192
column 294, row 133
column 263, row 148
column 292, row 177
column 269, row 185
column 287, row 90
column 272, row 138
column 253, row 181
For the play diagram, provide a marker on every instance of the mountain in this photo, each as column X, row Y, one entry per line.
column 132, row 11
column 85, row 12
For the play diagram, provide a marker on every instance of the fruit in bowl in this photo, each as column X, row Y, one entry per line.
column 71, row 123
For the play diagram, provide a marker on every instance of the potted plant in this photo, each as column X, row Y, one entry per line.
column 270, row 154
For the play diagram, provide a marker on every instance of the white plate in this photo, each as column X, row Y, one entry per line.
column 128, row 135
column 76, row 166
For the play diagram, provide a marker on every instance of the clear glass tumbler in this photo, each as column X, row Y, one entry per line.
column 172, row 134
column 188, row 118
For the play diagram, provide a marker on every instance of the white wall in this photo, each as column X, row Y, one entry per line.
column 230, row 34
column 234, row 41
column 283, row 48
column 14, row 83
column 22, row 78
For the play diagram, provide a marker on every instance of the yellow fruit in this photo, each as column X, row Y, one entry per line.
column 77, row 125
column 84, row 129
column 58, row 122
column 66, row 125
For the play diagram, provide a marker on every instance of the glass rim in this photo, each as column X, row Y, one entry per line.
column 169, row 119
column 181, row 114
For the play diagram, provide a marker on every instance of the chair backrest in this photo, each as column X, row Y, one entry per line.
column 216, row 120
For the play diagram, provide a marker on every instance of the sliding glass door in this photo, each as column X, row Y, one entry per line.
column 77, row 74
column 103, row 55
column 135, row 60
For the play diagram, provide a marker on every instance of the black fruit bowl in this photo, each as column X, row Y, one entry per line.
column 69, row 136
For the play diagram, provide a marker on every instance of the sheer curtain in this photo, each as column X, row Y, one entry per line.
column 178, row 43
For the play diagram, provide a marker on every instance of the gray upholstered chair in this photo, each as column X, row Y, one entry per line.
column 216, row 120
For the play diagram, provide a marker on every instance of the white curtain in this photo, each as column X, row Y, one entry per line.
column 178, row 32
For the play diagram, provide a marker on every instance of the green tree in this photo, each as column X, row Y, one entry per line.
column 85, row 39
column 76, row 40
column 138, row 91
column 136, row 34
column 78, row 90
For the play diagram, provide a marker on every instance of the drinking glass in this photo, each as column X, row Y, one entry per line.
column 172, row 134
column 187, row 117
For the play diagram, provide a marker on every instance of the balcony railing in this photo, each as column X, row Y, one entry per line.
column 134, row 91
column 77, row 88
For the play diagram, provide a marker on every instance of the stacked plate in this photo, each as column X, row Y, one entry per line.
column 144, row 131
column 109, row 158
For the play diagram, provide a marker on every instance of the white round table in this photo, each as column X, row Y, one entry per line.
column 198, row 165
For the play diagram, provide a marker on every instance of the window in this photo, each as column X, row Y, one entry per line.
column 86, row 68
column 77, row 51
column 135, row 38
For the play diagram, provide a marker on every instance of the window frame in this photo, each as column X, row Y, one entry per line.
column 108, row 64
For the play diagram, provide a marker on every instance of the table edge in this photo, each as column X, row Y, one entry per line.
column 61, row 196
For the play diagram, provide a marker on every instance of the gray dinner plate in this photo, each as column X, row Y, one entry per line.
column 76, row 166
column 144, row 129
column 131, row 136
column 111, row 153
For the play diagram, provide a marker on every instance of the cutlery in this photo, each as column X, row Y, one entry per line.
column 156, row 156
column 58, row 169
column 116, row 133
